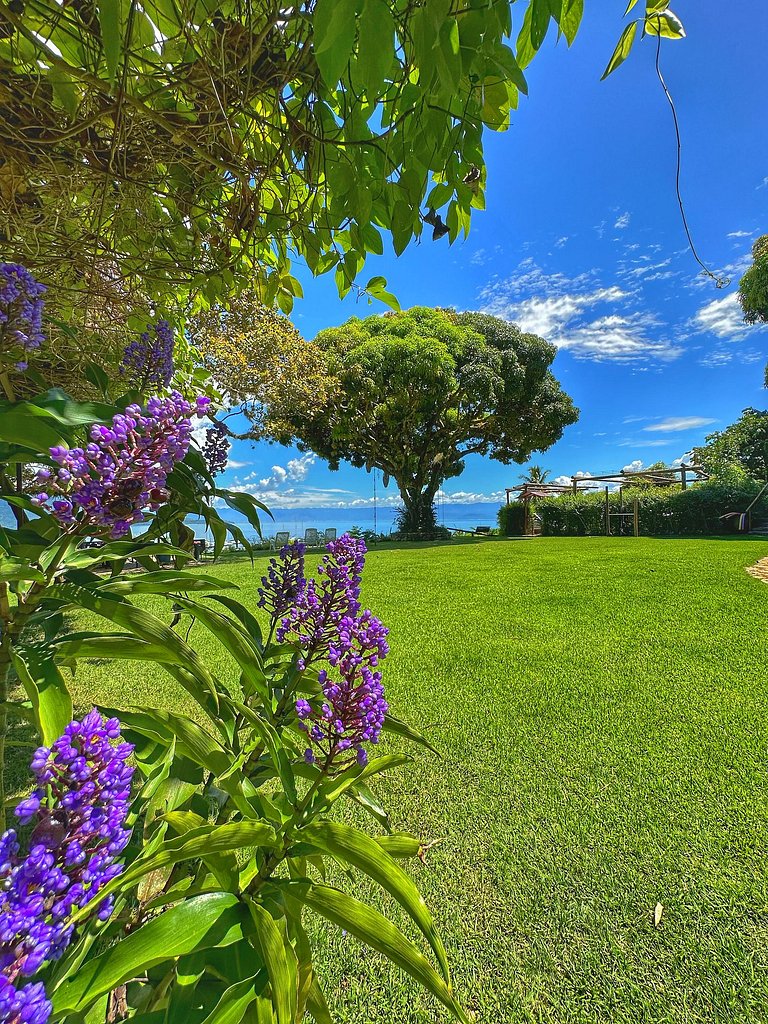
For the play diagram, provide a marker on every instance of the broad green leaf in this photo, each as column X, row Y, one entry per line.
column 199, row 843
column 376, row 931
column 145, row 625
column 212, row 920
column 666, row 24
column 245, row 505
column 356, row 848
column 234, row 638
column 570, row 19
column 166, row 582
column 121, row 549
column 375, row 43
column 236, row 1004
column 111, row 34
column 245, row 617
column 47, row 692
column 277, row 752
column 13, row 569
column 623, row 47
column 333, row 37
column 400, row 844
column 317, row 1005
column 275, row 956
column 540, row 13
column 333, row 788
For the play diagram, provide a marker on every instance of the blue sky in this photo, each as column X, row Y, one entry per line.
column 582, row 243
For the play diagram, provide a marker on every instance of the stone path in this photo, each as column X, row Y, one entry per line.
column 759, row 570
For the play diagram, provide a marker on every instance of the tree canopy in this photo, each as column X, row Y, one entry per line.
column 744, row 445
column 180, row 151
column 414, row 393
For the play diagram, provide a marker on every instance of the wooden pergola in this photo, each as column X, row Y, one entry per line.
column 683, row 474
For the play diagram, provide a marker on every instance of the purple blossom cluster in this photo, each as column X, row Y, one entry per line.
column 216, row 448
column 354, row 707
column 322, row 616
column 78, row 812
column 21, row 314
column 106, row 487
column 284, row 585
column 314, row 619
column 148, row 359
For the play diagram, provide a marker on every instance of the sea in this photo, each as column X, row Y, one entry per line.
column 297, row 520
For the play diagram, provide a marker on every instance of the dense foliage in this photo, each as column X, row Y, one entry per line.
column 201, row 917
column 179, row 152
column 415, row 392
column 753, row 287
column 744, row 444
column 703, row 509
column 512, row 519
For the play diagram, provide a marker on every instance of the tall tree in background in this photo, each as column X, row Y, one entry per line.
column 753, row 287
column 416, row 392
column 181, row 151
column 535, row 475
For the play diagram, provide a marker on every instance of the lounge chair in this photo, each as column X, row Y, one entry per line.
column 330, row 535
column 311, row 538
column 279, row 541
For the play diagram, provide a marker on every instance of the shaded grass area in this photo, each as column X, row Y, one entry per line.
column 601, row 710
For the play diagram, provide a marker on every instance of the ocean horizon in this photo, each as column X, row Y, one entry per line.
column 297, row 520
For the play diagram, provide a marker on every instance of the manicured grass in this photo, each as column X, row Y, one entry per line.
column 601, row 710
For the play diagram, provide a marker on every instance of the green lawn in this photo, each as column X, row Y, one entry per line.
column 601, row 710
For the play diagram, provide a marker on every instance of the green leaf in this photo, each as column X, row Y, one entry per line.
column 539, row 21
column 47, row 692
column 375, row 45
column 111, row 34
column 376, row 931
column 118, row 550
column 212, row 920
column 400, row 728
column 623, row 47
column 246, row 505
column 400, row 844
column 317, row 1005
column 665, row 24
column 239, row 644
column 333, row 37
column 199, row 843
column 275, row 956
column 13, row 569
column 235, row 1005
column 356, row 848
column 145, row 625
column 277, row 752
column 570, row 19
column 166, row 582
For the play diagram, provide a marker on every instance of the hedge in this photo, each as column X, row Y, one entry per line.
column 663, row 511
column 512, row 519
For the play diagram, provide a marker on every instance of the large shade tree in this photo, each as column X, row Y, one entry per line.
column 415, row 392
column 175, row 152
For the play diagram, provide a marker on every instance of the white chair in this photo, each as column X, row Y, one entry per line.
column 329, row 535
column 279, row 541
column 311, row 538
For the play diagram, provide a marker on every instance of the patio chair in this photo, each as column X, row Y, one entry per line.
column 279, row 541
column 329, row 535
column 311, row 538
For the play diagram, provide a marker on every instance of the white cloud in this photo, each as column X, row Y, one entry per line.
column 623, row 221
column 723, row 317
column 561, row 242
column 661, row 443
column 556, row 308
column 740, row 234
column 634, row 467
column 673, row 423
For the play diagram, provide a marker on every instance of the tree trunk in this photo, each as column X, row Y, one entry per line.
column 417, row 517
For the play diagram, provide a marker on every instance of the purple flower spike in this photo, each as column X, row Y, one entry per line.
column 284, row 584
column 216, row 448
column 78, row 812
column 148, row 359
column 21, row 315
column 107, row 486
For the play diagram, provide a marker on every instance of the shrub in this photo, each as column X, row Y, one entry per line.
column 512, row 519
column 664, row 511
